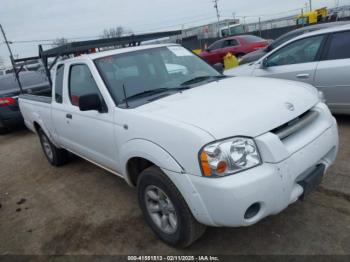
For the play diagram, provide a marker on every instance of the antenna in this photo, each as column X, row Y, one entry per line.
column 125, row 97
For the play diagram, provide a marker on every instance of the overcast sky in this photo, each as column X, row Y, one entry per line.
column 48, row 19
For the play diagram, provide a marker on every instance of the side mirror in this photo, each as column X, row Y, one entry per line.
column 90, row 102
column 264, row 64
column 207, row 50
column 219, row 67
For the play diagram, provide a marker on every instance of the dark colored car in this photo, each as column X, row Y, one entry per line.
column 32, row 83
column 254, row 56
column 237, row 45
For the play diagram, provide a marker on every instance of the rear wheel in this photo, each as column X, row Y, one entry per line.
column 56, row 156
column 165, row 210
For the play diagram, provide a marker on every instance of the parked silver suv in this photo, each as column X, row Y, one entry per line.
column 320, row 58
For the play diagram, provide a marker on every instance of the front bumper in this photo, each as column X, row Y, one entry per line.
column 224, row 201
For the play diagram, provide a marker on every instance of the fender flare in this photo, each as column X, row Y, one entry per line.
column 150, row 151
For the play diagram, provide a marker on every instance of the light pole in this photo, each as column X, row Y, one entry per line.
column 217, row 15
column 11, row 58
column 310, row 4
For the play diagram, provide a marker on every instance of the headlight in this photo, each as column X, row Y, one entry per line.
column 229, row 156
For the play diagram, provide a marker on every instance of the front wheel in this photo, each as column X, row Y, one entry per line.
column 165, row 210
column 56, row 156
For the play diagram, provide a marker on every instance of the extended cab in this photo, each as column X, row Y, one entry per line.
column 201, row 148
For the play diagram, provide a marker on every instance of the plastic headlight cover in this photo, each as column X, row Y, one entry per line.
column 229, row 156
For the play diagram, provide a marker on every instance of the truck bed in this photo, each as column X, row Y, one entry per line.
column 38, row 98
column 36, row 109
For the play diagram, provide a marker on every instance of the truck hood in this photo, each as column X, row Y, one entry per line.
column 235, row 106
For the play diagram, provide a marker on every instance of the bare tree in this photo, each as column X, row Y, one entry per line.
column 59, row 42
column 115, row 32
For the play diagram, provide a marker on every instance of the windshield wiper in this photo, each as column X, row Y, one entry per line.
column 156, row 91
column 200, row 79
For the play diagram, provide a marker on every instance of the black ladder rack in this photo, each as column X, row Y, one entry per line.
column 89, row 46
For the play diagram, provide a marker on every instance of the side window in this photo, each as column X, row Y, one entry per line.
column 59, row 83
column 81, row 82
column 231, row 42
column 216, row 45
column 339, row 47
column 300, row 51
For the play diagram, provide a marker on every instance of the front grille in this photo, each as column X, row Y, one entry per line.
column 296, row 124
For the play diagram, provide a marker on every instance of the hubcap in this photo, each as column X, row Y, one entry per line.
column 47, row 147
column 161, row 209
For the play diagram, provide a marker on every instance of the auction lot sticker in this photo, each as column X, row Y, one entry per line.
column 179, row 51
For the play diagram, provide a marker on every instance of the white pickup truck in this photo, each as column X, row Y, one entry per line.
column 201, row 148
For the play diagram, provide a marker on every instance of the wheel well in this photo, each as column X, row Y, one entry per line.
column 36, row 126
column 135, row 166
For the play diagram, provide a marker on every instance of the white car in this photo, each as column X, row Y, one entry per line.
column 202, row 149
column 320, row 58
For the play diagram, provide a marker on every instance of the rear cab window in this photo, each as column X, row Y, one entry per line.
column 59, row 83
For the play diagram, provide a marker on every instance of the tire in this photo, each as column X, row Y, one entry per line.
column 187, row 229
column 55, row 156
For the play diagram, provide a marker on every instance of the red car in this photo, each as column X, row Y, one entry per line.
column 237, row 45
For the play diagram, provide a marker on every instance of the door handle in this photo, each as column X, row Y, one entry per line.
column 69, row 116
column 303, row 76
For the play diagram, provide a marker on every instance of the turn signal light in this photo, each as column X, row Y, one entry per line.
column 205, row 165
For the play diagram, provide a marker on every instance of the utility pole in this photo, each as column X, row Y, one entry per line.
column 244, row 26
column 11, row 58
column 217, row 15
column 310, row 4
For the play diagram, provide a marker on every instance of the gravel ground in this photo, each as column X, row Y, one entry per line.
column 81, row 209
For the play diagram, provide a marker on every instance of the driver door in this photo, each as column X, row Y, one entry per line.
column 295, row 61
column 89, row 134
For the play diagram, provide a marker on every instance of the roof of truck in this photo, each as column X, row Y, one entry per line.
column 120, row 51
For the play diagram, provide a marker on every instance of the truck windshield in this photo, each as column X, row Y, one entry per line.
column 167, row 70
